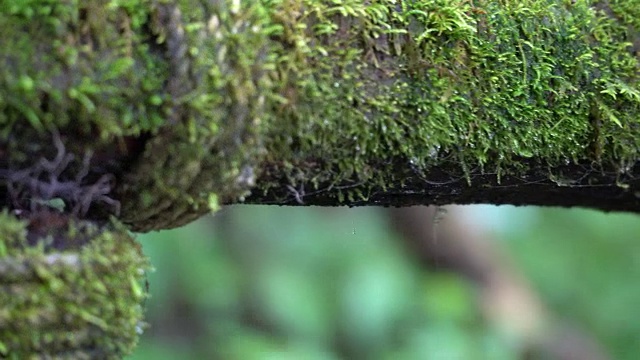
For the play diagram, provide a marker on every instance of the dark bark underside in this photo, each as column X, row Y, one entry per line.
column 581, row 185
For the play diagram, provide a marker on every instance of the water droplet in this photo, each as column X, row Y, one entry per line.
column 433, row 152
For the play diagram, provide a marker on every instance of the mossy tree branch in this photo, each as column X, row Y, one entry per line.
column 154, row 112
column 440, row 102
column 193, row 103
column 352, row 103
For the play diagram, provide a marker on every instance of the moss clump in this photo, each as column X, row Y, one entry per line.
column 454, row 84
column 219, row 58
column 85, row 66
column 171, row 92
column 77, row 298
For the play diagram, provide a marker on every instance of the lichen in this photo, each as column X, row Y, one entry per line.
column 47, row 183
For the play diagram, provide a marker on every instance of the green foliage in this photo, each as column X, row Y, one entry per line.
column 263, row 282
column 304, row 283
column 583, row 263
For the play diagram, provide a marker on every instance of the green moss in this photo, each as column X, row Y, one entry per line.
column 187, row 75
column 85, row 65
column 344, row 90
column 628, row 11
column 219, row 58
column 440, row 82
column 83, row 301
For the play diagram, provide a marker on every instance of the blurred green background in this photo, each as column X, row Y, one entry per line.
column 258, row 282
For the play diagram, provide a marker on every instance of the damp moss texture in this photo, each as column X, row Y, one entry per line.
column 222, row 93
column 80, row 300
column 476, row 84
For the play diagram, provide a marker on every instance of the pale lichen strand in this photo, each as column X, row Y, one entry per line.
column 476, row 84
column 82, row 299
column 57, row 183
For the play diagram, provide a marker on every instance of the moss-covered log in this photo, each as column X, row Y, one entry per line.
column 151, row 113
column 187, row 104
column 435, row 102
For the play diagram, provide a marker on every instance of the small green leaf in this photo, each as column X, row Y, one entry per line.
column 214, row 205
column 55, row 203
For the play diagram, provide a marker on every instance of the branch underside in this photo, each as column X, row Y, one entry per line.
column 577, row 185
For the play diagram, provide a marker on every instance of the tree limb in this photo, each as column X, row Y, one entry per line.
column 194, row 103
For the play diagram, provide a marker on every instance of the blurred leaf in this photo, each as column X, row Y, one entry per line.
column 449, row 297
